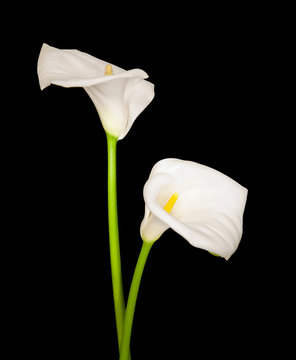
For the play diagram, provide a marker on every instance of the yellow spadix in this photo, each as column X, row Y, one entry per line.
column 108, row 69
column 170, row 204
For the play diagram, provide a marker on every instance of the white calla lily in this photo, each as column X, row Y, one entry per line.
column 201, row 204
column 118, row 95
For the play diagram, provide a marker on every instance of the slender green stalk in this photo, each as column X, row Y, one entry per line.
column 132, row 299
column 118, row 296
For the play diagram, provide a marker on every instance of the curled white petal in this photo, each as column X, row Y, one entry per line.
column 209, row 209
column 119, row 98
column 152, row 226
column 74, row 68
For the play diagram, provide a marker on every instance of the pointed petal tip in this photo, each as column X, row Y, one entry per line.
column 43, row 85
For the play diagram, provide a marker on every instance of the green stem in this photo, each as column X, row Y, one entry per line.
column 118, row 296
column 132, row 299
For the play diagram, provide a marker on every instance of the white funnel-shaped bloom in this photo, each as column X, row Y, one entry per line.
column 201, row 204
column 118, row 95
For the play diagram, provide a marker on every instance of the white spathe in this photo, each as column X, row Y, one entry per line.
column 208, row 212
column 119, row 98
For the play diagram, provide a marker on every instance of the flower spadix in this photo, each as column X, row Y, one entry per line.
column 118, row 95
column 201, row 204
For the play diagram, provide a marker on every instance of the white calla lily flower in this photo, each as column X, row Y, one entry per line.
column 118, row 95
column 201, row 204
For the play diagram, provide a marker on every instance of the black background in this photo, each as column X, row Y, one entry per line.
column 213, row 104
